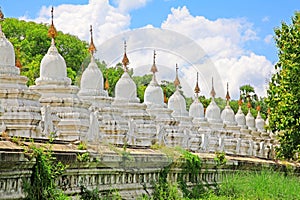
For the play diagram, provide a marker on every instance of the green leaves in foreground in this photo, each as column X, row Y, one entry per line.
column 284, row 90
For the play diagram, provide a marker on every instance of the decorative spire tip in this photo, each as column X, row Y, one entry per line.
column 52, row 33
column 92, row 48
column 1, row 14
column 125, row 60
column 212, row 92
column 197, row 89
column 176, row 81
column 154, row 68
column 227, row 94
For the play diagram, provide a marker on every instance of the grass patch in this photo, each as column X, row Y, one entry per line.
column 265, row 184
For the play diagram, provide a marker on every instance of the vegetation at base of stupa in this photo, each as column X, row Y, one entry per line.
column 241, row 185
column 31, row 43
column 284, row 90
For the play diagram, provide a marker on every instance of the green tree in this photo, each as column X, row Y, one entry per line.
column 247, row 91
column 284, row 90
column 33, row 43
column 141, row 83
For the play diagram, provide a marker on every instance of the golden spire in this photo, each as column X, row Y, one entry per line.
column 227, row 95
column 52, row 33
column 212, row 92
column 249, row 104
column 106, row 84
column 165, row 96
column 197, row 89
column 18, row 62
column 154, row 68
column 92, row 48
column 125, row 60
column 240, row 102
column 176, row 81
column 1, row 19
column 258, row 108
column 1, row 15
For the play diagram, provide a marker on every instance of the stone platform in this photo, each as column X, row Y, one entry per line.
column 129, row 171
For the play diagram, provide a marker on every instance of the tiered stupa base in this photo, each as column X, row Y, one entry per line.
column 20, row 109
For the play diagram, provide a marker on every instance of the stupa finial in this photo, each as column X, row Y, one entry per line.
column 18, row 62
column 154, row 68
column 106, row 84
column 197, row 89
column 1, row 14
column 1, row 19
column 249, row 103
column 212, row 92
column 176, row 81
column 227, row 95
column 92, row 48
column 125, row 60
column 52, row 33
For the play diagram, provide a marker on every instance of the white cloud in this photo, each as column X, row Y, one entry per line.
column 126, row 6
column 223, row 41
column 268, row 39
column 107, row 20
column 222, row 37
column 265, row 19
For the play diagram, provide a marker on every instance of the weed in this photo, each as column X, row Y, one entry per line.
column 84, row 157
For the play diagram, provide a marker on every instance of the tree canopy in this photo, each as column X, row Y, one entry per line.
column 31, row 43
column 284, row 90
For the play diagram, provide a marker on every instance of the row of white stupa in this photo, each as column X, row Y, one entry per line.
column 54, row 106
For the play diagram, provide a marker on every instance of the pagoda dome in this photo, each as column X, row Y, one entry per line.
column 250, row 121
column 240, row 117
column 7, row 53
column 177, row 104
column 154, row 95
column 259, row 121
column 92, row 80
column 196, row 109
column 53, row 65
column 228, row 116
column 126, row 89
column 213, row 112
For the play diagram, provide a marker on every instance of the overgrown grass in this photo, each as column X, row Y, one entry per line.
column 265, row 184
column 254, row 185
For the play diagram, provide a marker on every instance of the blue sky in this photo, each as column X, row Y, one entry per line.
column 249, row 41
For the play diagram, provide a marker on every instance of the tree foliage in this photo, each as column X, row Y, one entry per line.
column 284, row 89
column 31, row 43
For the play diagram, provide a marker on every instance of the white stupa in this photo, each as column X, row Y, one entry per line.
column 154, row 99
column 212, row 113
column 176, row 101
column 196, row 109
column 91, row 83
column 154, row 96
column 250, row 121
column 125, row 89
column 240, row 116
column 106, row 123
column 259, row 121
column 56, row 90
column 20, row 110
column 227, row 114
column 142, row 131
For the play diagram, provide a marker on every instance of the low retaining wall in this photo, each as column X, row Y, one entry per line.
column 131, row 174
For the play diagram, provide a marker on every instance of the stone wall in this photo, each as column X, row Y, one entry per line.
column 131, row 174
